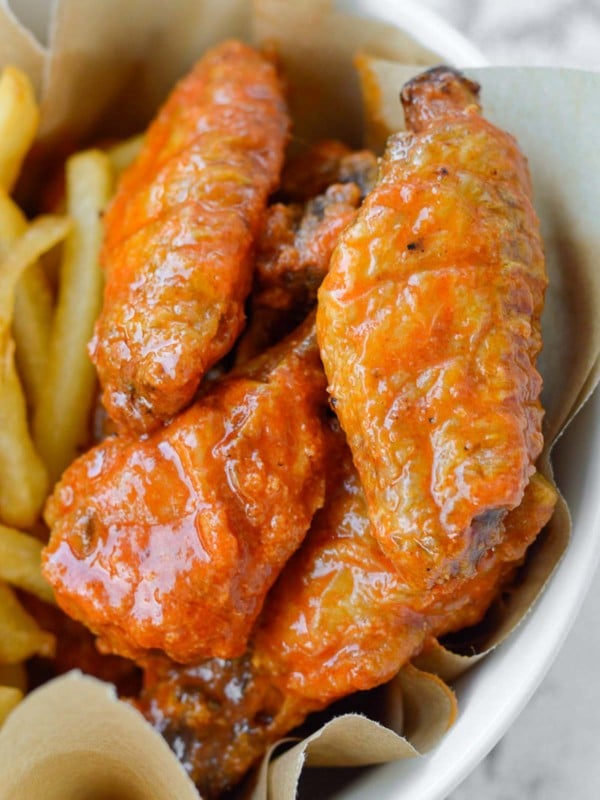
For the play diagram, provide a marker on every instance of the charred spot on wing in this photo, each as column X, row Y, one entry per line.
column 85, row 533
column 416, row 246
column 485, row 528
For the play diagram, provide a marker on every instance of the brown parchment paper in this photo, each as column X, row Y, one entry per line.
column 19, row 46
column 72, row 740
column 418, row 704
column 105, row 68
column 317, row 45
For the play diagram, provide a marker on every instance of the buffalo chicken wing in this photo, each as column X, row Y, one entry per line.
column 429, row 327
column 180, row 235
column 172, row 541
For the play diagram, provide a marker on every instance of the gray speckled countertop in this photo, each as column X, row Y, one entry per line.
column 552, row 752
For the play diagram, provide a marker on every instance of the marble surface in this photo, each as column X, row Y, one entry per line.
column 552, row 752
column 528, row 32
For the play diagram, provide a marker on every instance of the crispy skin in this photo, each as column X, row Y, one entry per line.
column 428, row 325
column 171, row 542
column 219, row 717
column 292, row 258
column 326, row 185
column 337, row 621
column 295, row 246
column 180, row 232
column 329, row 161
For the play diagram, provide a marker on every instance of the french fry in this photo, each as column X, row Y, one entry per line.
column 23, row 480
column 124, row 153
column 19, row 119
column 13, row 222
column 33, row 306
column 20, row 635
column 23, row 477
column 61, row 420
column 9, row 698
column 40, row 236
column 32, row 324
column 20, row 563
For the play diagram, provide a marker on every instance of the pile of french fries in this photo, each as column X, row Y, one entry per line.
column 47, row 382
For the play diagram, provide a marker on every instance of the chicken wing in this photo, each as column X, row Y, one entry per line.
column 292, row 258
column 428, row 324
column 172, row 541
column 338, row 620
column 180, row 233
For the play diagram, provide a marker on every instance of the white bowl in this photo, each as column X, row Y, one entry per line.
column 423, row 25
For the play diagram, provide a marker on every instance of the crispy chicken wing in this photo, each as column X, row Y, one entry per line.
column 171, row 542
column 428, row 323
column 338, row 620
column 180, row 233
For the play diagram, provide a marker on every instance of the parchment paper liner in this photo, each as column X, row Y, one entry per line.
column 72, row 738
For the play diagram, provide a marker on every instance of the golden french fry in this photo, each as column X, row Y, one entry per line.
column 13, row 222
column 20, row 563
column 41, row 235
column 9, row 698
column 20, row 635
column 122, row 154
column 61, row 421
column 23, row 479
column 33, row 305
column 13, row 675
column 32, row 324
column 19, row 119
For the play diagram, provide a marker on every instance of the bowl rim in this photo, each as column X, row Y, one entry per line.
column 423, row 25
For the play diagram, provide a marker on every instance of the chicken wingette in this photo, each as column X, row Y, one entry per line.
column 171, row 542
column 180, row 234
column 429, row 327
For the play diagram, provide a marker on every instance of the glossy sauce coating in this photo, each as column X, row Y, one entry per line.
column 180, row 233
column 338, row 620
column 432, row 332
column 428, row 324
column 171, row 542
